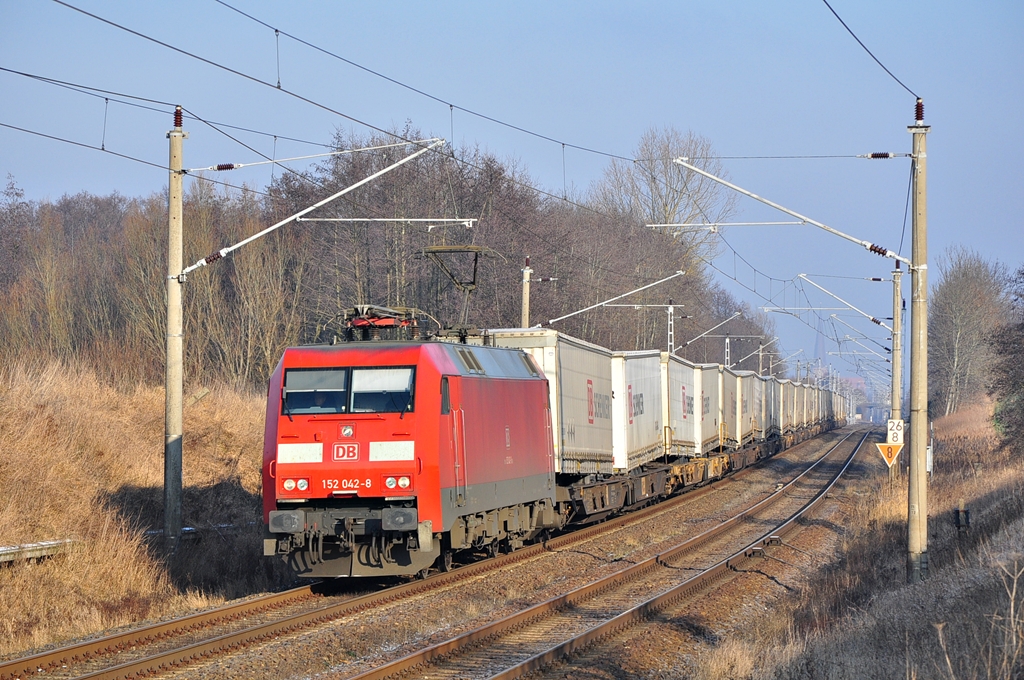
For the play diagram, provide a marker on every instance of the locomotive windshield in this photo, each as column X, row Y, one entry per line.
column 314, row 391
column 382, row 390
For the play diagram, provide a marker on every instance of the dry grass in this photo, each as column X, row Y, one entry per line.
column 859, row 619
column 83, row 460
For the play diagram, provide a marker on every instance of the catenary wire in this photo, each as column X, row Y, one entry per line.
column 233, row 71
column 850, row 31
column 421, row 92
column 303, row 98
column 324, row 106
column 906, row 208
column 105, row 94
column 95, row 92
column 453, row 107
column 127, row 157
column 332, row 110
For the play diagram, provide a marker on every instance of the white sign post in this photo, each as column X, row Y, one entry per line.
column 894, row 435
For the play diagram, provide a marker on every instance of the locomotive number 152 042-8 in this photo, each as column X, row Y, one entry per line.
column 347, row 483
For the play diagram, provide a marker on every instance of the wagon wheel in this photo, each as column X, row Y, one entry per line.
column 444, row 561
column 493, row 548
column 423, row 573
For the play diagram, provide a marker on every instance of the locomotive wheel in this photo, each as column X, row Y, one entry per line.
column 492, row 548
column 444, row 561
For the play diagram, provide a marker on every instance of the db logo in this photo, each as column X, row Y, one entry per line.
column 346, row 452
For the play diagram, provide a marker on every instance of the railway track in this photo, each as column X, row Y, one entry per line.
column 177, row 643
column 523, row 643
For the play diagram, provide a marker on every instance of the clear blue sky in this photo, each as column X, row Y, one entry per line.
column 756, row 78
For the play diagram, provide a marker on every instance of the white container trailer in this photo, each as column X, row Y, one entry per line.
column 787, row 405
column 711, row 427
column 799, row 406
column 769, row 407
column 580, row 378
column 680, row 388
column 776, row 407
column 731, row 403
column 749, row 407
column 637, row 435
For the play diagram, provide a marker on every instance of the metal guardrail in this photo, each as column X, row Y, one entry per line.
column 33, row 551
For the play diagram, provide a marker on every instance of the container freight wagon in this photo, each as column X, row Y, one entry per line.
column 580, row 377
column 679, row 406
column 636, row 409
column 711, row 427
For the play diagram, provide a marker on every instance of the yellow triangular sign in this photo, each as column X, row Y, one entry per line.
column 890, row 452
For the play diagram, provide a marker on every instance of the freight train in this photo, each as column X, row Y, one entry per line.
column 387, row 458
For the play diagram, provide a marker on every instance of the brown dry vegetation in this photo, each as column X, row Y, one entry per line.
column 859, row 619
column 80, row 459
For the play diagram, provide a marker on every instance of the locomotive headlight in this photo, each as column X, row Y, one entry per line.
column 403, row 482
column 347, row 430
column 391, row 482
column 289, row 484
column 303, row 484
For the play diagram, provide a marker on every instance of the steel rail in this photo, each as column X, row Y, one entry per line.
column 688, row 588
column 553, row 605
column 84, row 651
column 105, row 646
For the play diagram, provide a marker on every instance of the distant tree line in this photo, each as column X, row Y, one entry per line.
column 82, row 278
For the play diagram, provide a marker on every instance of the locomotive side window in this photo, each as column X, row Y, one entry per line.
column 315, row 391
column 382, row 390
column 446, row 403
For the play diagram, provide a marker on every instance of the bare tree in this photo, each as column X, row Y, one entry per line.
column 967, row 305
column 653, row 190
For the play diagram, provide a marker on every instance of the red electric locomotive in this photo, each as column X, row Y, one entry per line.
column 382, row 458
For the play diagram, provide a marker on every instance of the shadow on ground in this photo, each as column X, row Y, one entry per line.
column 224, row 555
